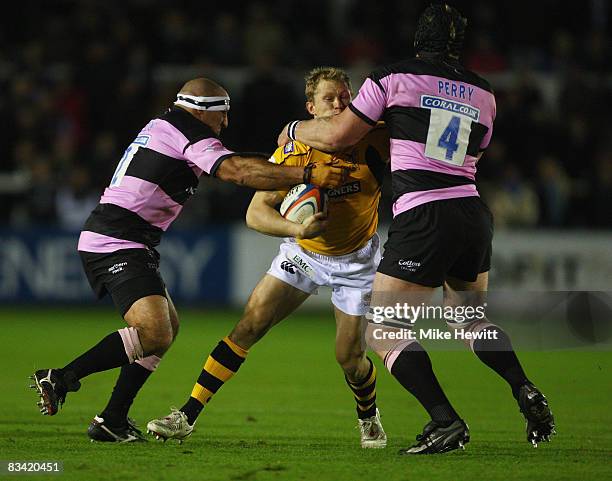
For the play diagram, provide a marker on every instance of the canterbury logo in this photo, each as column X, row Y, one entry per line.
column 288, row 266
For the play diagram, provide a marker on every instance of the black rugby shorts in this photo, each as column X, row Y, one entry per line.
column 126, row 274
column 438, row 239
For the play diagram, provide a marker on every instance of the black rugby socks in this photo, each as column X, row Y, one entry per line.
column 365, row 393
column 499, row 356
column 223, row 362
column 131, row 378
column 413, row 369
column 109, row 353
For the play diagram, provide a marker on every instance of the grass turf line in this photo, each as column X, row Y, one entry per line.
column 287, row 415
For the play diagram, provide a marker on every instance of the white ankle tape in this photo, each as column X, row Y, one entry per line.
column 394, row 352
column 474, row 328
column 150, row 362
column 131, row 343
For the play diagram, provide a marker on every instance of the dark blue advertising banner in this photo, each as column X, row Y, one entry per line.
column 42, row 265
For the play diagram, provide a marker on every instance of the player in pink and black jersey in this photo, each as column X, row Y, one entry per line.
column 157, row 174
column 440, row 119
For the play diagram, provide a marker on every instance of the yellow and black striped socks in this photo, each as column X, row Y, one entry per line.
column 365, row 393
column 222, row 363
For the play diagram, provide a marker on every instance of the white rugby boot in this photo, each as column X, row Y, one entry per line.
column 173, row 426
column 372, row 432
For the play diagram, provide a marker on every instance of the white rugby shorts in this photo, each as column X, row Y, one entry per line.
column 350, row 276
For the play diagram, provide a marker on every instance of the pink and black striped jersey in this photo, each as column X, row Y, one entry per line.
column 439, row 116
column 158, row 173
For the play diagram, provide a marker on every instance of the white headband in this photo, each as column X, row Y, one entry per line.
column 203, row 103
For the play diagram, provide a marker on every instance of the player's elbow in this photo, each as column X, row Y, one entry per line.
column 251, row 218
column 233, row 176
column 255, row 217
column 231, row 170
column 242, row 179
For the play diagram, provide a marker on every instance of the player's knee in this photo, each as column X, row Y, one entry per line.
column 174, row 324
column 258, row 314
column 161, row 342
column 174, row 319
column 257, row 320
column 156, row 339
column 247, row 333
column 350, row 362
column 175, row 331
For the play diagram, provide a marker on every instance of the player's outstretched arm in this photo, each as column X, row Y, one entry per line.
column 263, row 217
column 329, row 134
column 263, row 175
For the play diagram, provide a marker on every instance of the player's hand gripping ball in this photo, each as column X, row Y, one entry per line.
column 302, row 201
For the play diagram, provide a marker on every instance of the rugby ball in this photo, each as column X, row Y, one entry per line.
column 302, row 201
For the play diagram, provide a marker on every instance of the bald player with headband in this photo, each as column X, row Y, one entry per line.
column 158, row 172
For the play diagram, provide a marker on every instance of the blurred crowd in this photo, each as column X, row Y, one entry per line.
column 80, row 78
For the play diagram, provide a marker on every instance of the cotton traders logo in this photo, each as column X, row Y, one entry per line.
column 408, row 265
column 346, row 189
column 429, row 102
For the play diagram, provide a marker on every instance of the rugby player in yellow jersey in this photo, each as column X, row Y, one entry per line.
column 340, row 252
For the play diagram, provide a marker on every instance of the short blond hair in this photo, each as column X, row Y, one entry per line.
column 324, row 73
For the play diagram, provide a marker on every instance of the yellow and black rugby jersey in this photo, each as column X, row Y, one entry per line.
column 353, row 207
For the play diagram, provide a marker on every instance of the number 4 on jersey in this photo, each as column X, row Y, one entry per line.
column 448, row 139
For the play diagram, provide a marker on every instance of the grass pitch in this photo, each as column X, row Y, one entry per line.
column 287, row 415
